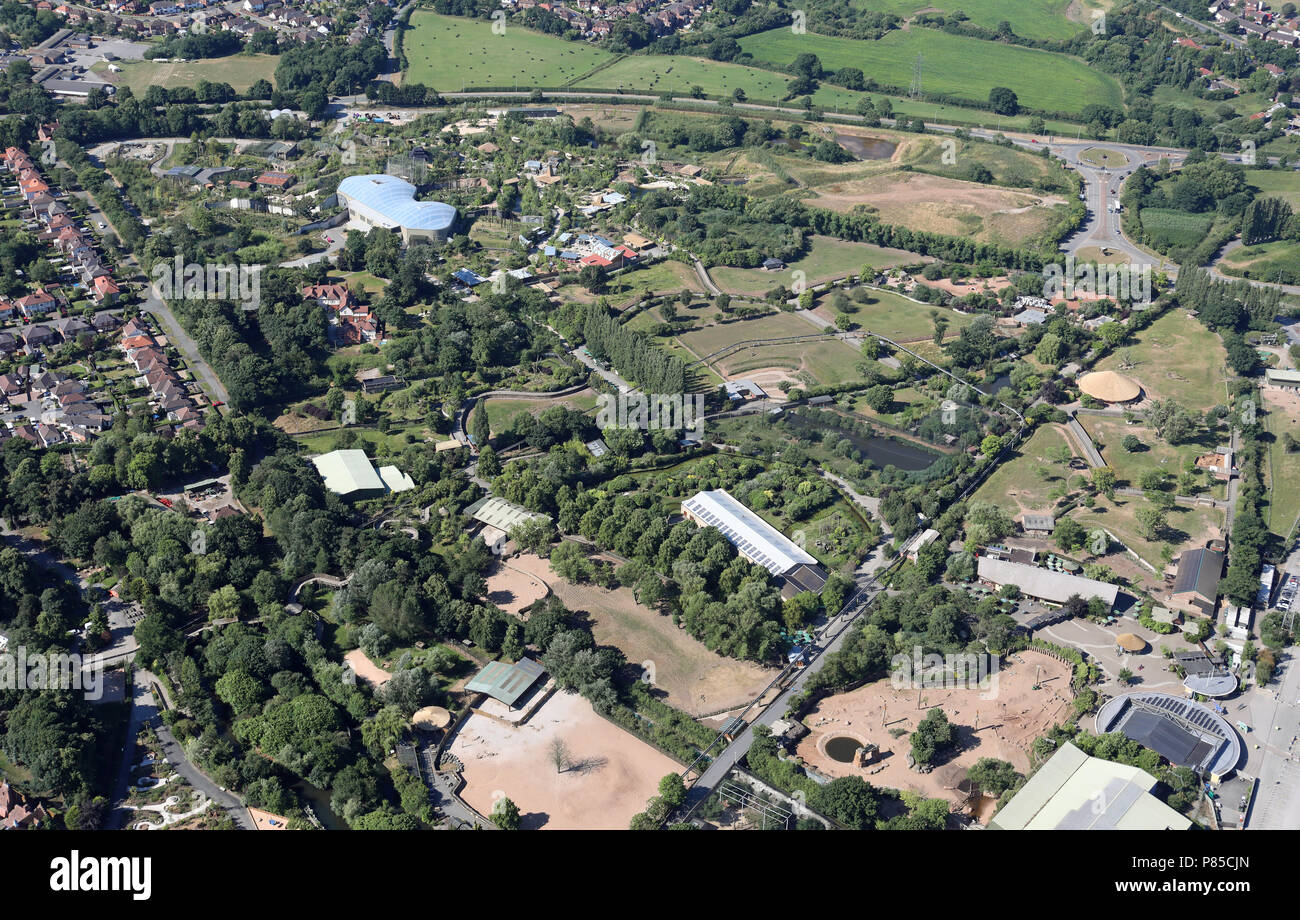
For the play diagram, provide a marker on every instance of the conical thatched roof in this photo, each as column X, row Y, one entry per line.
column 1110, row 387
column 1130, row 642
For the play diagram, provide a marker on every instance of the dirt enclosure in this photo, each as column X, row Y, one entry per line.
column 609, row 775
column 696, row 680
column 1009, row 720
column 513, row 590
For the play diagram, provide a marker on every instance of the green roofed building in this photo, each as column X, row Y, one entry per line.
column 507, row 683
column 501, row 514
column 1073, row 791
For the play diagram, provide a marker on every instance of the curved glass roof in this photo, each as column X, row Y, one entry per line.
column 394, row 199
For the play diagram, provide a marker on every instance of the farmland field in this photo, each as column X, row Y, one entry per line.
column 1049, row 19
column 960, row 66
column 1161, row 365
column 1168, row 228
column 239, row 70
column 446, row 51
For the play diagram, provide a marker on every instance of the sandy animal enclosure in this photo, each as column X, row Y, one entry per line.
column 1009, row 721
column 610, row 775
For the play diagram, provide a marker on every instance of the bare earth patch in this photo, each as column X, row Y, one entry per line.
column 696, row 680
column 940, row 205
column 1009, row 721
column 610, row 777
column 512, row 589
column 366, row 669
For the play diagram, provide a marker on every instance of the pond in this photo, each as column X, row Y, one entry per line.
column 880, row 451
column 866, row 148
column 842, row 748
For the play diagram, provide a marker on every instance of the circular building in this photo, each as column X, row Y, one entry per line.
column 1182, row 731
column 389, row 203
column 1110, row 387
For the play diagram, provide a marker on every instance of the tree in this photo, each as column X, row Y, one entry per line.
column 849, row 801
column 880, row 397
column 558, row 753
column 932, row 737
column 505, row 814
column 1003, row 101
column 1150, row 523
column 993, row 776
column 1131, row 443
column 479, row 430
column 1104, row 480
column 224, row 604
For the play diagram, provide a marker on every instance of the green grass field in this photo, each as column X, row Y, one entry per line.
column 1175, row 358
column 447, row 51
column 828, row 259
column 1277, row 183
column 1024, row 482
column 829, row 361
column 1282, row 474
column 1277, row 262
column 501, row 412
column 895, row 317
column 1156, row 455
column 957, row 65
column 678, row 74
column 1029, row 18
column 240, row 70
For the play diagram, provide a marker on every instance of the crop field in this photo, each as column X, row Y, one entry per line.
column 1050, row 19
column 957, row 65
column 446, row 52
column 1160, row 362
column 828, row 259
column 1169, row 228
column 239, row 70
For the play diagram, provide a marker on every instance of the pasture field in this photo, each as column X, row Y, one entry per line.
column 1277, row 183
column 959, row 66
column 827, row 259
column 676, row 74
column 1009, row 166
column 447, row 51
column 1282, row 474
column 895, row 317
column 1188, row 526
column 501, row 412
column 1155, row 454
column 1025, row 482
column 239, row 70
column 1162, row 366
column 821, row 361
column 1049, row 19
